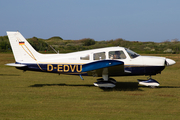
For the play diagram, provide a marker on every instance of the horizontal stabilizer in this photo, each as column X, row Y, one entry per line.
column 15, row 65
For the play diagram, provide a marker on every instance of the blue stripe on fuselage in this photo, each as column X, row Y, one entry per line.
column 77, row 69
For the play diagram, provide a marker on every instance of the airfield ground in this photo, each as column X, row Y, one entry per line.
column 36, row 95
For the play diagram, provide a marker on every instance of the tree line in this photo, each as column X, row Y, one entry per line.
column 65, row 46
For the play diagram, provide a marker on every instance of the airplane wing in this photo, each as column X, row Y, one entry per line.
column 113, row 68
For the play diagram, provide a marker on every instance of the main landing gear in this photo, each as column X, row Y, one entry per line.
column 150, row 82
column 110, row 83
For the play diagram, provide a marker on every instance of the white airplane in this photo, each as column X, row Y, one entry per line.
column 104, row 62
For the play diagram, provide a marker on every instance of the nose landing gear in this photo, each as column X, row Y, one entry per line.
column 150, row 82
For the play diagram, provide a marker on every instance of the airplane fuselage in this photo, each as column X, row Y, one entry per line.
column 102, row 62
column 71, row 63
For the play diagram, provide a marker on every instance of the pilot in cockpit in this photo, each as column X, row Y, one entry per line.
column 117, row 55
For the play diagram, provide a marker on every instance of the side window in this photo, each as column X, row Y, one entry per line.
column 117, row 55
column 85, row 57
column 99, row 56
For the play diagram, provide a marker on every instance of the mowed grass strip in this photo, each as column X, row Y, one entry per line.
column 36, row 95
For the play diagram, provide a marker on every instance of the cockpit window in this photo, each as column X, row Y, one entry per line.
column 131, row 53
column 117, row 55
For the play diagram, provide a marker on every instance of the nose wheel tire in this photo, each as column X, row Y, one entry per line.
column 150, row 82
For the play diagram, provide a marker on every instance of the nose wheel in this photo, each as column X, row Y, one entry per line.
column 150, row 82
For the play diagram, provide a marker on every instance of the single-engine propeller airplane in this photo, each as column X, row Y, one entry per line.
column 103, row 62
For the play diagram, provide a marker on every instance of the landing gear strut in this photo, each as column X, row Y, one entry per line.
column 105, row 81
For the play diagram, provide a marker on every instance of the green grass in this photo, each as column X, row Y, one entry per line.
column 35, row 95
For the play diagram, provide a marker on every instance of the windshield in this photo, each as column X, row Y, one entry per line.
column 131, row 53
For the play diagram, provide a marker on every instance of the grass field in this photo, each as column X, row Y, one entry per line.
column 35, row 95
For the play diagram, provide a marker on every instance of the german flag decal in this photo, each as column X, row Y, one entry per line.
column 21, row 43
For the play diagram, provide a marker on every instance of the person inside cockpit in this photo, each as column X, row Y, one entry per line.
column 117, row 55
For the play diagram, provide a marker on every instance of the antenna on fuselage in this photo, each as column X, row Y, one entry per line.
column 54, row 49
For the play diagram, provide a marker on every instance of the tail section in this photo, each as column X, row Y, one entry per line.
column 22, row 50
